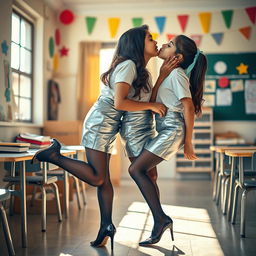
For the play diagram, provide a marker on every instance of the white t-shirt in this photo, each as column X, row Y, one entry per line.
column 125, row 72
column 173, row 89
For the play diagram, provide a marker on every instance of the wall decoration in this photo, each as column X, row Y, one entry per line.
column 242, row 69
column 251, row 12
column 197, row 39
column 217, row 37
column 57, row 37
column 113, row 24
column 223, row 82
column 160, row 22
column 224, row 97
column 250, row 96
column 63, row 51
column 51, row 47
column 154, row 35
column 54, row 99
column 170, row 37
column 90, row 23
column 209, row 100
column 227, row 16
column 246, row 32
column 237, row 85
column 4, row 47
column 183, row 19
column 7, row 83
column 66, row 17
column 210, row 86
column 205, row 20
column 220, row 67
column 55, row 62
column 137, row 22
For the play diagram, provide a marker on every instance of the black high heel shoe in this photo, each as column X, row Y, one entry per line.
column 44, row 154
column 102, row 239
column 156, row 238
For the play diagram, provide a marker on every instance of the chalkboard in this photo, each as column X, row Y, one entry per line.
column 227, row 69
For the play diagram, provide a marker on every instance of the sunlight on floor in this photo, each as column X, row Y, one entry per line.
column 193, row 232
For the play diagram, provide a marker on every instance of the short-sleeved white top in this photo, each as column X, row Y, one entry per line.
column 173, row 89
column 125, row 72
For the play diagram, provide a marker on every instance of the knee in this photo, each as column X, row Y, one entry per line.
column 132, row 170
column 98, row 181
column 152, row 175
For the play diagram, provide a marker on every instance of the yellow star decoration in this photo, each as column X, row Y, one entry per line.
column 242, row 69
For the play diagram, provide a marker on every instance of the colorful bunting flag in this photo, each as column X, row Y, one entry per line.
column 154, row 35
column 227, row 16
column 205, row 19
column 246, row 32
column 183, row 19
column 113, row 24
column 90, row 22
column 57, row 36
column 197, row 39
column 251, row 12
column 55, row 62
column 160, row 22
column 170, row 37
column 63, row 51
column 217, row 37
column 51, row 47
column 137, row 22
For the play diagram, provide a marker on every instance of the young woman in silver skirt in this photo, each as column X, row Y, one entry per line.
column 103, row 121
column 182, row 93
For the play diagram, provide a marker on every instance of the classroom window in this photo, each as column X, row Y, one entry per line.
column 22, row 66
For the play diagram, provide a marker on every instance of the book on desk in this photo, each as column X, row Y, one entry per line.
column 13, row 147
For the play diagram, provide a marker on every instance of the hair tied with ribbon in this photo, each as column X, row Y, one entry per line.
column 191, row 66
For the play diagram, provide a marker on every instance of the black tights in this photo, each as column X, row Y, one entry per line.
column 138, row 171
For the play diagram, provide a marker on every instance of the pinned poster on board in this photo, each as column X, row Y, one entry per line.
column 209, row 100
column 250, row 96
column 237, row 85
column 210, row 85
column 224, row 97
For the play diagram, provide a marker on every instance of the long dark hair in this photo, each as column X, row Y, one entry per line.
column 131, row 47
column 187, row 47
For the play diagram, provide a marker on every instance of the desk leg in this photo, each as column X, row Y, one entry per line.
column 66, row 193
column 215, row 183
column 232, row 177
column 23, row 205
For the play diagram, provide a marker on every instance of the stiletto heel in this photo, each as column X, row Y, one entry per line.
column 102, row 238
column 153, row 239
column 43, row 154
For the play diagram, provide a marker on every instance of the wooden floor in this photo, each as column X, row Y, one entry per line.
column 199, row 227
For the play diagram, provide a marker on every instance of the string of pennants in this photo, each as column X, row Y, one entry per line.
column 204, row 18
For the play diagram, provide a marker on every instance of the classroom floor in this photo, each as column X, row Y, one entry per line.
column 199, row 227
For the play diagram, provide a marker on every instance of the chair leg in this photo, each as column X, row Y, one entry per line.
column 218, row 189
column 234, row 209
column 222, row 192
column 7, row 232
column 77, row 192
column 57, row 196
column 43, row 217
column 83, row 192
column 225, row 200
column 11, row 204
column 243, row 212
column 33, row 196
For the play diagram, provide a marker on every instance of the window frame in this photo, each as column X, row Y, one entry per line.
column 18, row 72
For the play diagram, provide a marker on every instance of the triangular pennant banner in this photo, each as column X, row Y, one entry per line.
column 246, row 32
column 183, row 19
column 113, row 24
column 205, row 19
column 154, row 35
column 137, row 22
column 90, row 22
column 217, row 37
column 170, row 37
column 227, row 16
column 51, row 46
column 251, row 12
column 160, row 22
column 55, row 62
column 197, row 39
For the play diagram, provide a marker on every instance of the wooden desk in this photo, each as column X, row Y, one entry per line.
column 22, row 157
column 245, row 152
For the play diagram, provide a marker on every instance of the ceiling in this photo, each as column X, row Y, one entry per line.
column 89, row 6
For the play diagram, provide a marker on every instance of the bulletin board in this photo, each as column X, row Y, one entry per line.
column 230, row 87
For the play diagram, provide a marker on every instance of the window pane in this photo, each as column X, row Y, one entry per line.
column 25, row 109
column 25, row 60
column 15, row 28
column 15, row 83
column 15, row 62
column 26, row 31
column 25, row 86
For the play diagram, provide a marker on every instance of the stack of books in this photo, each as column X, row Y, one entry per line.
column 35, row 140
column 228, row 138
column 12, row 147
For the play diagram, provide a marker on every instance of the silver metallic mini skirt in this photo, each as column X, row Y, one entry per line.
column 136, row 130
column 101, row 125
column 170, row 137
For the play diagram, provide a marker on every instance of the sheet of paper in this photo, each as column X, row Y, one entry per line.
column 250, row 96
column 224, row 97
column 237, row 85
column 209, row 100
column 210, row 85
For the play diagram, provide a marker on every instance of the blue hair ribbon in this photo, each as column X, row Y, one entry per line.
column 191, row 66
